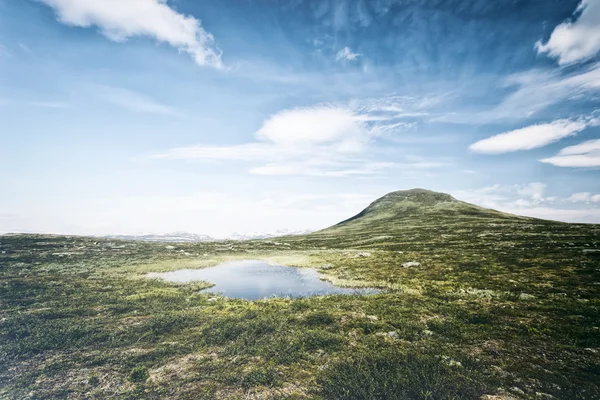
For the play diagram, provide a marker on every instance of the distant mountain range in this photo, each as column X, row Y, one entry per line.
column 185, row 237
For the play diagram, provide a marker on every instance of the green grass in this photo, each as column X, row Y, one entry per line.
column 499, row 306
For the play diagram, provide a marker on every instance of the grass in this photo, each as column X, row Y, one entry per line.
column 500, row 306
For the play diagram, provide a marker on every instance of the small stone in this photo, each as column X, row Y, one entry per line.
column 393, row 335
column 372, row 317
column 526, row 296
column 363, row 254
column 411, row 264
column 213, row 299
column 517, row 390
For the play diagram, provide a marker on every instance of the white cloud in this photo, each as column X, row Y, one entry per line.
column 575, row 41
column 315, row 126
column 531, row 137
column 121, row 19
column 528, row 200
column 346, row 54
column 501, row 196
column 130, row 100
column 586, row 215
column 315, row 141
column 534, row 91
column 323, row 140
column 586, row 154
column 318, row 168
column 47, row 104
column 584, row 197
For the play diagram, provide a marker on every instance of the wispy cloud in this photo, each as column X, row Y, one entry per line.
column 25, row 48
column 502, row 197
column 131, row 100
column 346, row 54
column 586, row 154
column 584, row 197
column 119, row 20
column 578, row 40
column 530, row 199
column 532, row 92
column 532, row 137
column 323, row 140
column 4, row 53
column 48, row 104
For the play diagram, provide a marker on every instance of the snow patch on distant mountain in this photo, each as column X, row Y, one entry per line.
column 265, row 235
column 175, row 237
column 184, row 237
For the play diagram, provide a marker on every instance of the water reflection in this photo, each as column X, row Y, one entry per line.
column 255, row 279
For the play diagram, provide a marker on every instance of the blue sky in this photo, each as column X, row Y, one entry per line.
column 213, row 117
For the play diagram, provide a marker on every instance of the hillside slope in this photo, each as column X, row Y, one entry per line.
column 421, row 219
column 418, row 207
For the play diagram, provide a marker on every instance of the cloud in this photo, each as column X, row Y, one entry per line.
column 119, row 20
column 589, row 215
column 322, row 140
column 531, row 137
column 586, row 154
column 47, row 104
column 346, row 54
column 502, row 196
column 532, row 92
column 130, row 100
column 323, row 169
column 584, row 197
column 526, row 199
column 578, row 40
column 315, row 125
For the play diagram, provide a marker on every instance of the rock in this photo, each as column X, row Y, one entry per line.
column 363, row 254
column 213, row 299
column 170, row 247
column 517, row 390
column 393, row 335
column 526, row 296
column 411, row 264
column 372, row 317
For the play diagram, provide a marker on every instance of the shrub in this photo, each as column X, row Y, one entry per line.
column 259, row 377
column 138, row 374
column 319, row 318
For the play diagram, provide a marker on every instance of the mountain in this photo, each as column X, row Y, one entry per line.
column 175, row 237
column 184, row 237
column 417, row 205
column 421, row 217
column 265, row 235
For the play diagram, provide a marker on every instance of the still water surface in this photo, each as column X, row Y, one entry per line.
column 255, row 279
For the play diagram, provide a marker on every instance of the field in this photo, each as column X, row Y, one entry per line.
column 496, row 307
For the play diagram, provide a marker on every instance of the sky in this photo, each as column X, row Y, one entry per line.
column 214, row 117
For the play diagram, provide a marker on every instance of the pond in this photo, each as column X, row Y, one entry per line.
column 254, row 279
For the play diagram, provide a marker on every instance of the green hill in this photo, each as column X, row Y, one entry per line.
column 417, row 206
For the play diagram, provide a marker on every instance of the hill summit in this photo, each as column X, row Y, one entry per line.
column 416, row 207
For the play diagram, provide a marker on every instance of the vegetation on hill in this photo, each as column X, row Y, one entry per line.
column 479, row 305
